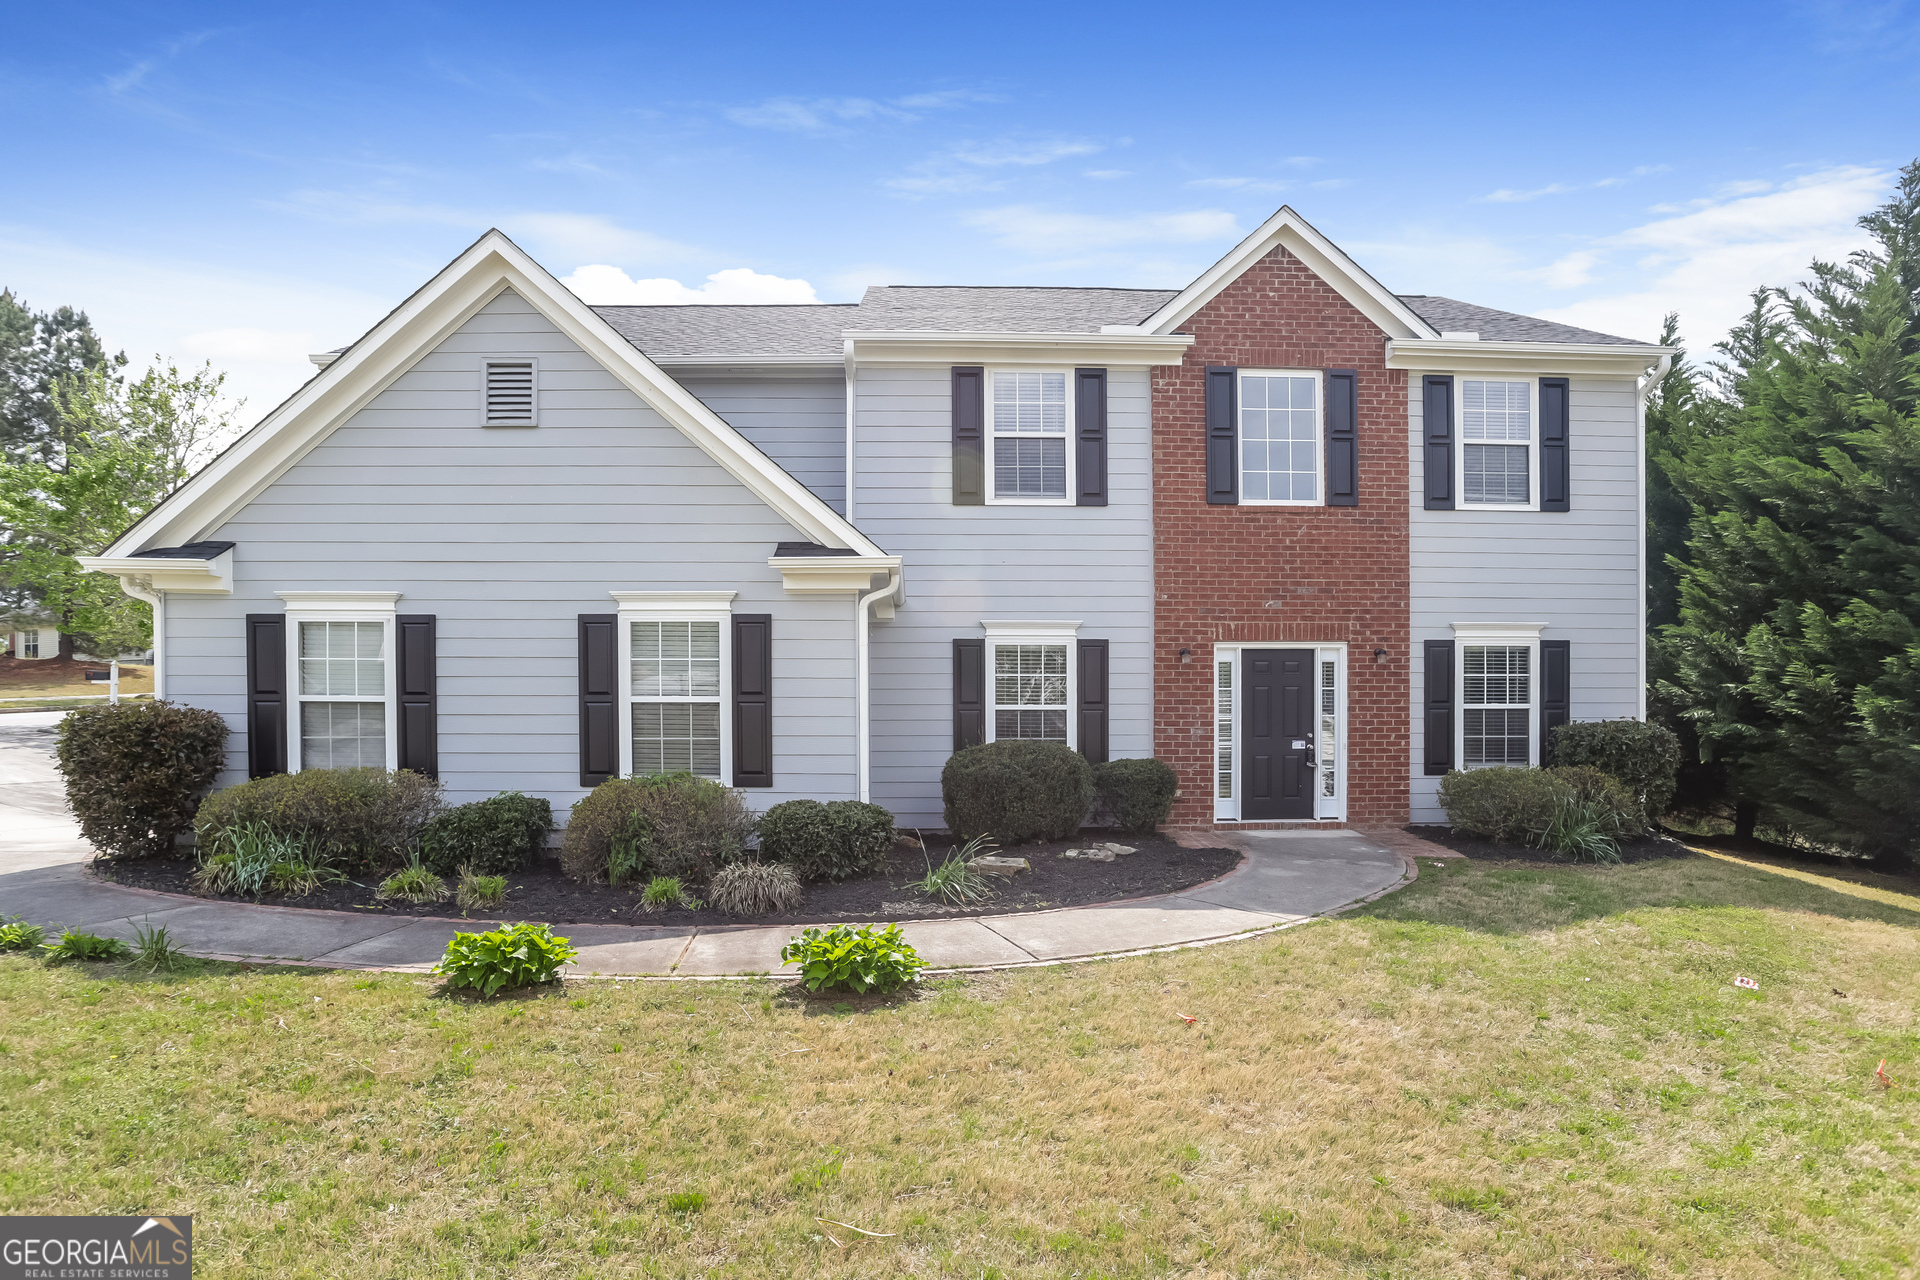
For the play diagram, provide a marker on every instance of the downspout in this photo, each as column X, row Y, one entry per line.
column 133, row 586
column 1640, row 415
column 862, row 623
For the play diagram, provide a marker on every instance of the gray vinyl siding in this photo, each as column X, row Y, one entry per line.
column 507, row 534
column 1093, row 565
column 1577, row 572
column 799, row 421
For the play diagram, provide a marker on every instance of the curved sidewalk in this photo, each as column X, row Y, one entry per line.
column 1286, row 878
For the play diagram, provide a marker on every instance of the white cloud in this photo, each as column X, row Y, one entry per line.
column 1107, row 175
column 1041, row 230
column 581, row 237
column 603, row 285
column 1237, row 184
column 1004, row 152
column 1704, row 263
column 1571, row 271
column 835, row 115
column 1508, row 195
column 958, row 168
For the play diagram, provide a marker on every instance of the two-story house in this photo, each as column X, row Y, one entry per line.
column 516, row 541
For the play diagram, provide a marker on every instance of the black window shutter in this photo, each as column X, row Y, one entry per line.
column 1439, row 745
column 1090, row 432
column 1223, row 486
column 1555, row 445
column 417, row 682
column 266, row 694
column 599, row 696
column 1343, row 443
column 1093, row 700
column 1437, row 463
column 969, row 693
column 753, row 700
column 1556, row 691
column 969, row 436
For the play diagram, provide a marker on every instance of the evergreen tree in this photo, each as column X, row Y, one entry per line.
column 38, row 349
column 1796, row 657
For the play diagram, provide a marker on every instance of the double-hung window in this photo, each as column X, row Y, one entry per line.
column 676, row 655
column 340, row 655
column 1496, row 704
column 1031, row 681
column 1029, row 423
column 1497, row 454
column 1280, row 431
column 30, row 644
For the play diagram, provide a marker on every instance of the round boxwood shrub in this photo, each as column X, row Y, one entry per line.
column 663, row 824
column 1017, row 790
column 492, row 836
column 833, row 841
column 1644, row 757
column 1135, row 795
column 353, row 818
column 135, row 773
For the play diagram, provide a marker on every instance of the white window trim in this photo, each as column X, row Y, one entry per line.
column 1319, row 437
column 1460, row 441
column 341, row 606
column 1016, row 631
column 675, row 606
column 1511, row 635
column 486, row 421
column 1326, row 808
column 1071, row 437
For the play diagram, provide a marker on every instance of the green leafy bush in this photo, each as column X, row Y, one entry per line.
column 672, row 824
column 505, row 833
column 479, row 893
column 834, row 841
column 1017, row 790
column 135, row 773
column 345, row 817
column 1644, row 757
column 17, row 935
column 1525, row 805
column 1135, row 795
column 756, row 888
column 857, row 960
column 413, row 883
column 75, row 945
column 504, row 959
column 667, row 891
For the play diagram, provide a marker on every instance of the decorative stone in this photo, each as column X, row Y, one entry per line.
column 1001, row 866
column 1097, row 853
column 1121, row 849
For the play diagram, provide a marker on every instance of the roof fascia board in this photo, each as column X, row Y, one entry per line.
column 1324, row 258
column 919, row 346
column 490, row 266
column 1461, row 355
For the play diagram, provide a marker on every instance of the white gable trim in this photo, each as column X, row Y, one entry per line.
column 1324, row 258
column 491, row 266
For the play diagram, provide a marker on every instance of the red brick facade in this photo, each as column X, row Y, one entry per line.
column 1282, row 574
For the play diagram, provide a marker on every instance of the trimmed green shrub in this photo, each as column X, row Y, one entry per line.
column 504, row 833
column 671, row 824
column 834, row 841
column 75, row 945
column 354, row 818
column 135, row 773
column 1135, row 795
column 756, row 888
column 1017, row 790
column 504, row 959
column 1524, row 805
column 1644, row 757
column 858, row 960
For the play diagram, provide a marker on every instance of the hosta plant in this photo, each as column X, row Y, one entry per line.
column 857, row 960
column 18, row 935
column 75, row 945
column 504, row 959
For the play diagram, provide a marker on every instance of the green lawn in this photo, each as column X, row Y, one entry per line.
column 1496, row 1072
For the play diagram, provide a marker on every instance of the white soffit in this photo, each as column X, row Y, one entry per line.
column 492, row 265
column 1467, row 355
column 1324, row 258
column 1133, row 348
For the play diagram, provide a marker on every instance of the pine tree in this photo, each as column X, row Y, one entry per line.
column 1796, row 657
column 38, row 349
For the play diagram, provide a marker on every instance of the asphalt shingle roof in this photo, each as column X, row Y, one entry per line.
column 704, row 330
column 989, row 309
column 1450, row 314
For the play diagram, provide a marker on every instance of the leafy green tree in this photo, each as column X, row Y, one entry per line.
column 37, row 350
column 1796, row 657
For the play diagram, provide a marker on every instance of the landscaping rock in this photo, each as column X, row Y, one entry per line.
column 1000, row 866
column 1121, row 850
column 1094, row 853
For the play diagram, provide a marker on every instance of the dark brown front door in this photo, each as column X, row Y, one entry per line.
column 1276, row 724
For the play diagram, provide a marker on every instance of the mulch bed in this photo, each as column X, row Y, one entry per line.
column 543, row 893
column 1646, row 849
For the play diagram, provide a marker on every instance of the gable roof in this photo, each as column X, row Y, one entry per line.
column 1449, row 315
column 789, row 329
column 490, row 266
column 984, row 309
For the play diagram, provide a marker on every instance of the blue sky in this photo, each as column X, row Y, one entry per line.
column 250, row 183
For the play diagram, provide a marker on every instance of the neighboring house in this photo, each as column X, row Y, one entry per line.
column 33, row 642
column 520, row 542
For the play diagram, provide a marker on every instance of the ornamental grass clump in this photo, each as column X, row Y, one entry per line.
column 249, row 858
column 413, row 883
column 135, row 773
column 477, row 892
column 663, row 892
column 859, row 960
column 504, row 959
column 756, row 888
column 153, row 950
column 954, row 881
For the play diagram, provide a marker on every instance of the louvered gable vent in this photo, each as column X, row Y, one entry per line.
column 510, row 393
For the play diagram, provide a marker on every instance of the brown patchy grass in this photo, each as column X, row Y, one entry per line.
column 1497, row 1072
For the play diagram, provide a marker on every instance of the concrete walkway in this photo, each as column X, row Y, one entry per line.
column 1287, row 877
